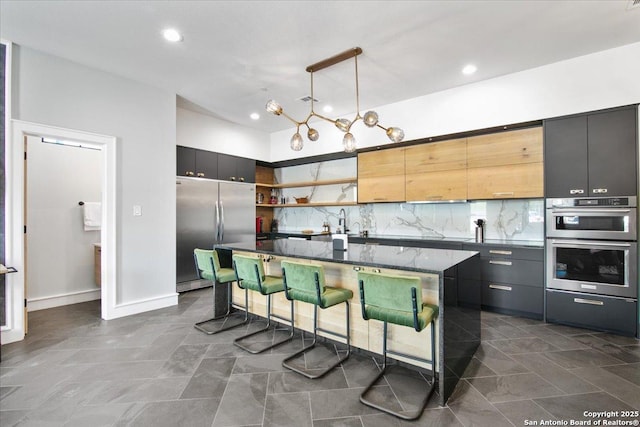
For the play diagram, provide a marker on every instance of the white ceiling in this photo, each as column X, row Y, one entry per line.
column 238, row 54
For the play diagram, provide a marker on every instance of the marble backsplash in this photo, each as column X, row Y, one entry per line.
column 520, row 219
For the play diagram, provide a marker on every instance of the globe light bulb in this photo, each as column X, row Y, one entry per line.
column 296, row 142
column 370, row 118
column 273, row 107
column 313, row 134
column 349, row 143
column 343, row 124
column 395, row 134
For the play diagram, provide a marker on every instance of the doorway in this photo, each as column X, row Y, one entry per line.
column 63, row 190
column 14, row 330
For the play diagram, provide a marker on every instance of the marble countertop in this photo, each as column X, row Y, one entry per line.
column 380, row 256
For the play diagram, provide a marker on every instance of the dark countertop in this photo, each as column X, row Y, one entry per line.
column 380, row 256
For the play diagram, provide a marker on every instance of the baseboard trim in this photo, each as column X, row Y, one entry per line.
column 136, row 307
column 43, row 303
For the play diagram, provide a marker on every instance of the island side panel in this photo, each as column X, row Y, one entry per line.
column 460, row 323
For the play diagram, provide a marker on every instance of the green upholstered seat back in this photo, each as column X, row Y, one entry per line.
column 301, row 277
column 245, row 267
column 390, row 292
column 203, row 261
column 204, row 258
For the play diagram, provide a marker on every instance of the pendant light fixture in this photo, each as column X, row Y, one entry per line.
column 370, row 118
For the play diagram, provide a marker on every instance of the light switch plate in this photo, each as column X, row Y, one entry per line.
column 137, row 210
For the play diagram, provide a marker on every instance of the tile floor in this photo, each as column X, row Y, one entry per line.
column 155, row 369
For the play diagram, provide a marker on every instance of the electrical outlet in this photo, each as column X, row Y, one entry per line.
column 137, row 210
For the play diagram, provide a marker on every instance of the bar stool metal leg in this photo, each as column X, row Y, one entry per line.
column 239, row 341
column 200, row 325
column 309, row 371
column 423, row 403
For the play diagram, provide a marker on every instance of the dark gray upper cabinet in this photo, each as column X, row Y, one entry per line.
column 196, row 163
column 226, row 167
column 565, row 157
column 232, row 168
column 186, row 161
column 206, row 164
column 210, row 165
column 246, row 169
column 612, row 153
column 592, row 154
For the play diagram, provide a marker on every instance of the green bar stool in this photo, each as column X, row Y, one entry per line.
column 304, row 282
column 251, row 276
column 397, row 300
column 208, row 268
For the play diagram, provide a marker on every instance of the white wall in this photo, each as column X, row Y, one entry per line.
column 58, row 177
column 54, row 91
column 212, row 134
column 601, row 80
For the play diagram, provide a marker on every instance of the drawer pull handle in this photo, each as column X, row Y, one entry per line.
column 500, row 287
column 358, row 269
column 380, row 198
column 507, row 263
column 503, row 193
column 588, row 301
column 599, row 190
column 576, row 191
column 495, row 251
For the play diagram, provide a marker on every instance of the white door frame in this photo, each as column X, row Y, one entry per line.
column 15, row 202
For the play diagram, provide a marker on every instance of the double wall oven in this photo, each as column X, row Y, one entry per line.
column 592, row 262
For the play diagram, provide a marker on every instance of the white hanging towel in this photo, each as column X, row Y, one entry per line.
column 92, row 216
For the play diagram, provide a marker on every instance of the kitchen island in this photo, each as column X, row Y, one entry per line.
column 450, row 279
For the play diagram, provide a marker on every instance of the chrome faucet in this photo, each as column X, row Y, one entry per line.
column 342, row 220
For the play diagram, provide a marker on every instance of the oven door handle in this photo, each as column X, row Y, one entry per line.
column 587, row 211
column 591, row 243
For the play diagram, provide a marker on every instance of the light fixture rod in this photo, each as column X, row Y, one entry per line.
column 347, row 54
column 357, row 90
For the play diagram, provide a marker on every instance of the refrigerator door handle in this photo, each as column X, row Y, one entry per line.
column 217, row 223
column 221, row 222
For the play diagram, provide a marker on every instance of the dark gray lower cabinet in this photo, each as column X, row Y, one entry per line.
column 516, row 299
column 512, row 279
column 610, row 314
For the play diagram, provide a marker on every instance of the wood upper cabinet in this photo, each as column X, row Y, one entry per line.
column 381, row 176
column 436, row 171
column 505, row 165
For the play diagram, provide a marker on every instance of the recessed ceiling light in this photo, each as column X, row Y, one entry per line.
column 327, row 108
column 172, row 35
column 469, row 69
column 255, row 116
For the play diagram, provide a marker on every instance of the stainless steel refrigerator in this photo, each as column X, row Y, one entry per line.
column 210, row 212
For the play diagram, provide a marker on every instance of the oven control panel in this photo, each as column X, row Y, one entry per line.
column 592, row 202
column 609, row 201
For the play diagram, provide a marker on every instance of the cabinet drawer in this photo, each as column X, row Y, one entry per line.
column 592, row 311
column 513, row 271
column 527, row 299
column 506, row 252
